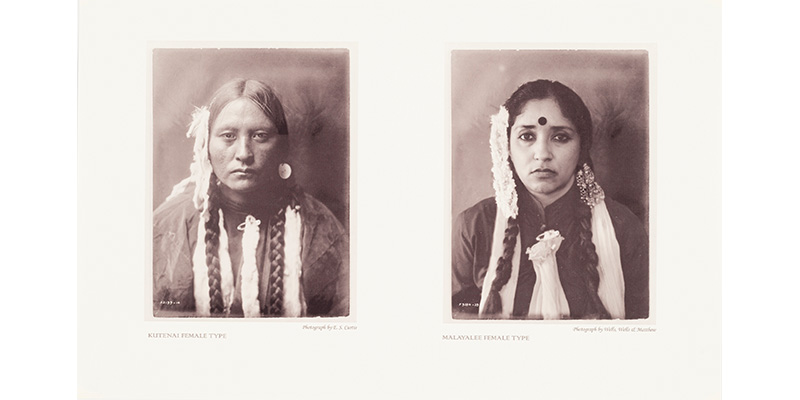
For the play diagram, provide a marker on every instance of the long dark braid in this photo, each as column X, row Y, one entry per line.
column 277, row 228
column 212, row 249
column 494, row 304
column 587, row 256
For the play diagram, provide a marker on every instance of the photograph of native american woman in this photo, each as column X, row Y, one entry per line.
column 550, row 184
column 251, row 182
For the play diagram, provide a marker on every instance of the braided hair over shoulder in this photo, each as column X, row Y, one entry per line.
column 494, row 304
column 273, row 306
column 212, row 249
column 587, row 257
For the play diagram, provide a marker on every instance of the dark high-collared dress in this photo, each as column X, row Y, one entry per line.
column 472, row 242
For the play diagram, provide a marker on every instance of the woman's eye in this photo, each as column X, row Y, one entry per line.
column 261, row 136
column 228, row 135
column 561, row 137
column 527, row 137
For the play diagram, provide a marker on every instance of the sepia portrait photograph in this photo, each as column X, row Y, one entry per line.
column 250, row 182
column 550, row 184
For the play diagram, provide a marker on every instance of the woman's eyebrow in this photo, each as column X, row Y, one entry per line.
column 226, row 127
column 268, row 128
column 548, row 126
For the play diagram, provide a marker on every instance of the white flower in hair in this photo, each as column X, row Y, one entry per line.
column 201, row 165
column 503, row 178
column 200, row 168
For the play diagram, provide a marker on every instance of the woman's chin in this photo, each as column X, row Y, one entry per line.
column 548, row 192
column 541, row 188
column 242, row 186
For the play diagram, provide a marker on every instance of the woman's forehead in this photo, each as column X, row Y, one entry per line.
column 242, row 111
column 536, row 111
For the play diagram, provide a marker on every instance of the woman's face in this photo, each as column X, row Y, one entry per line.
column 545, row 148
column 244, row 147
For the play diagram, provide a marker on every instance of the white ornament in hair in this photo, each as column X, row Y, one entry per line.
column 503, row 178
column 201, row 165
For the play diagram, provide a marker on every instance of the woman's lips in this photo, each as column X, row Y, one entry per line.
column 543, row 173
column 243, row 173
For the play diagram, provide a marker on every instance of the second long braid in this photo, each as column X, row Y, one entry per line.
column 587, row 256
column 212, row 252
column 494, row 304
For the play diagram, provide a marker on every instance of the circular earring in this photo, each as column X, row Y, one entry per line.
column 284, row 170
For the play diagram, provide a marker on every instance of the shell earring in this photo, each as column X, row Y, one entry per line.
column 284, row 170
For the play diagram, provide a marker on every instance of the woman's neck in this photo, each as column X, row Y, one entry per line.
column 545, row 200
column 249, row 202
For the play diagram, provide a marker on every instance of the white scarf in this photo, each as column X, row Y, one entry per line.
column 548, row 300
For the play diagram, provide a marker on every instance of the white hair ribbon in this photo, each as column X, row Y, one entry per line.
column 249, row 271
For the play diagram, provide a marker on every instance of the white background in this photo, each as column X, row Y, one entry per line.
column 401, row 61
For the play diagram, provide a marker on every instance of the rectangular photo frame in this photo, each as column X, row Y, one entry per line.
column 614, row 86
column 289, row 177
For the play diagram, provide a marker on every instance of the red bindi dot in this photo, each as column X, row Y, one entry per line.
column 542, row 121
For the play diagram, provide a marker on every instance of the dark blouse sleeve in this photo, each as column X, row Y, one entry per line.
column 342, row 301
column 326, row 262
column 463, row 255
column 471, row 244
column 634, row 254
column 173, row 240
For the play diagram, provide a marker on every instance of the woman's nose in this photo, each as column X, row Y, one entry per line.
column 542, row 151
column 243, row 151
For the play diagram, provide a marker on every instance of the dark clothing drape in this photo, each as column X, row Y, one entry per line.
column 472, row 242
column 325, row 256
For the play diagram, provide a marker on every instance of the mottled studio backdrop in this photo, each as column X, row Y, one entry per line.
column 613, row 84
column 313, row 85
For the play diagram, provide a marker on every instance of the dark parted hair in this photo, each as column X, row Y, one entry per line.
column 258, row 92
